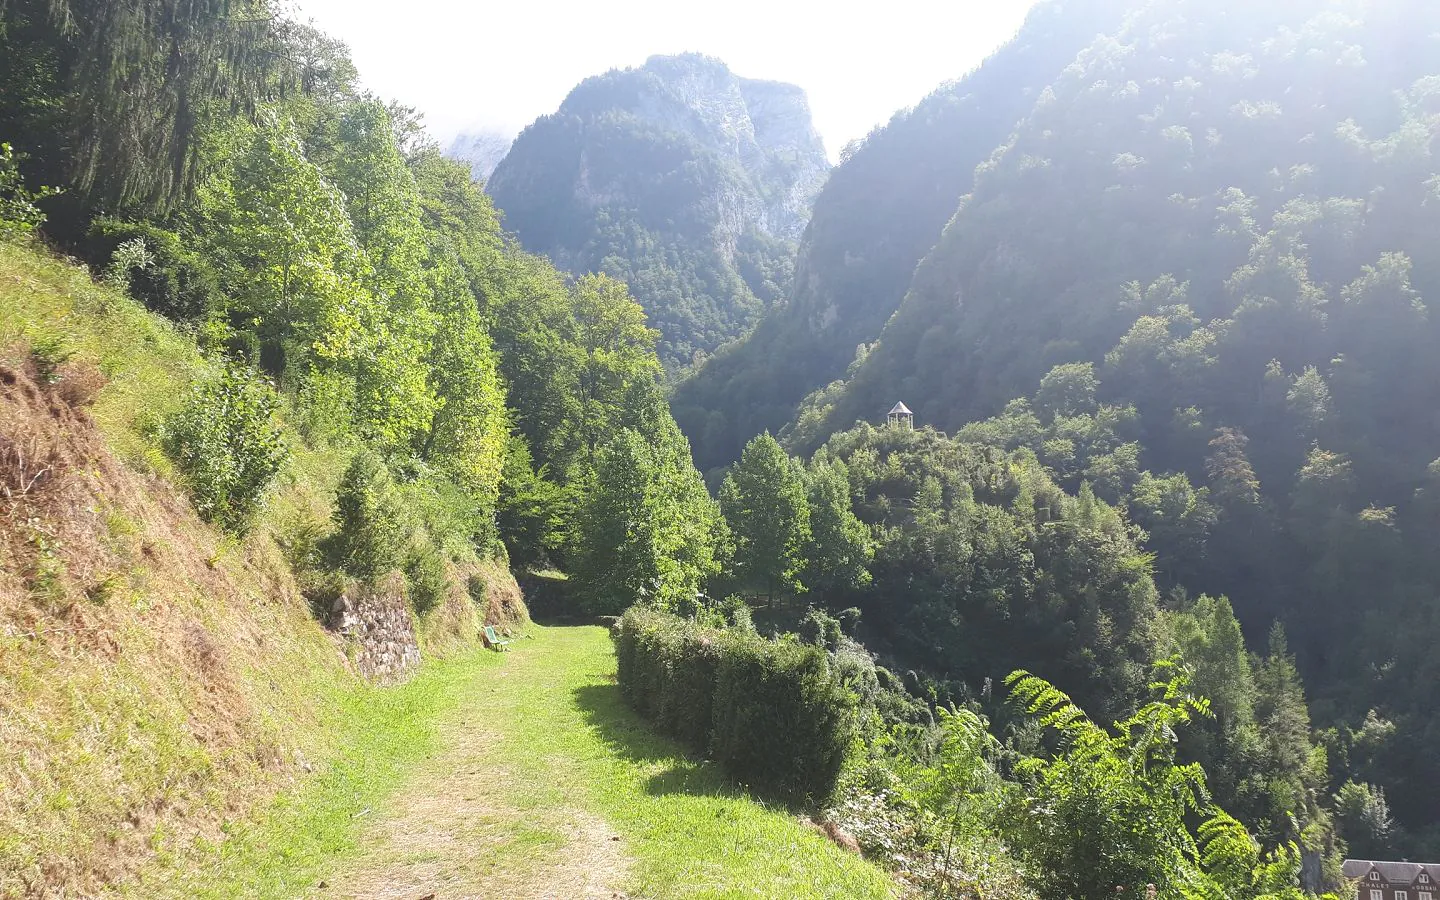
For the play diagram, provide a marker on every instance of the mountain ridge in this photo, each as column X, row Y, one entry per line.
column 881, row 210
column 678, row 177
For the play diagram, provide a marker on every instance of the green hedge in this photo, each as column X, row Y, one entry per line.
column 773, row 714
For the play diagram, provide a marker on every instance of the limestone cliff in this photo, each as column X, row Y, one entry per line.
column 482, row 150
column 686, row 181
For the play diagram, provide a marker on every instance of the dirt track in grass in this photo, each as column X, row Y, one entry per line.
column 470, row 824
column 537, row 781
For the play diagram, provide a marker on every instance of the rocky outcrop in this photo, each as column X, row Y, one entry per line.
column 679, row 177
column 481, row 150
column 790, row 148
column 378, row 629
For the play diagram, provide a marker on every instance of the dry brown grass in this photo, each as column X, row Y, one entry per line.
column 131, row 714
column 79, row 383
column 504, row 604
column 33, row 458
column 480, row 594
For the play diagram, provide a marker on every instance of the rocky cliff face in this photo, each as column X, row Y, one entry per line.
column 686, row 181
column 482, row 150
column 791, row 152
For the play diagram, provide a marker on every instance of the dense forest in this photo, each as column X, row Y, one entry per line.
column 1145, row 598
column 349, row 277
column 679, row 178
column 1194, row 281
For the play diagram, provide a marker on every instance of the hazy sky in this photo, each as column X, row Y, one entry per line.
column 467, row 64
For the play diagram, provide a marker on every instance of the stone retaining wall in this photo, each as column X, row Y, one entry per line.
column 379, row 630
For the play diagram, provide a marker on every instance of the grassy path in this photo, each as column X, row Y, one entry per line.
column 527, row 777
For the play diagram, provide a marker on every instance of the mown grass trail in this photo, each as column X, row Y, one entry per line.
column 525, row 776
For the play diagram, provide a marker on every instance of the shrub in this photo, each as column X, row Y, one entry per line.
column 425, row 575
column 667, row 672
column 685, row 685
column 227, row 445
column 19, row 214
column 783, row 722
column 156, row 266
column 130, row 256
column 820, row 629
column 49, row 352
column 636, row 662
column 478, row 589
column 372, row 523
column 772, row 713
column 455, row 519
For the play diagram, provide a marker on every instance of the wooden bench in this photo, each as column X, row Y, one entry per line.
column 493, row 641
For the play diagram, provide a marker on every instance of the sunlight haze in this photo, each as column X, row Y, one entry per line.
column 468, row 66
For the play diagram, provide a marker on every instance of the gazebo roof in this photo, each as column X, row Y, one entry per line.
column 900, row 409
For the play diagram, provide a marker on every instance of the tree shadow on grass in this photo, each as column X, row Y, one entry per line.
column 632, row 739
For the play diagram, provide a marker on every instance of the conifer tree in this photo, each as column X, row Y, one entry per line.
column 142, row 82
column 839, row 549
column 763, row 500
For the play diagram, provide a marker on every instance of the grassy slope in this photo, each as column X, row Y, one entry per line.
column 161, row 678
column 384, row 733
column 156, row 677
column 533, row 780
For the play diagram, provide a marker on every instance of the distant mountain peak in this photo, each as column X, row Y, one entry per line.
column 482, row 149
column 680, row 177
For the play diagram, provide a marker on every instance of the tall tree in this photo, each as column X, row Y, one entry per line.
column 139, row 85
column 839, row 550
column 278, row 233
column 645, row 527
column 763, row 499
column 619, row 350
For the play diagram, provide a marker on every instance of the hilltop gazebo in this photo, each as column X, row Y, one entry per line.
column 901, row 415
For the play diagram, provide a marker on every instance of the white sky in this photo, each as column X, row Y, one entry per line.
column 468, row 64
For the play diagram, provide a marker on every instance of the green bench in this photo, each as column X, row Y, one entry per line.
column 493, row 641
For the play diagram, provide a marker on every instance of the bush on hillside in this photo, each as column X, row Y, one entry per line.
column 425, row 576
column 171, row 278
column 773, row 714
column 669, row 673
column 19, row 214
column 227, row 445
column 372, row 523
column 820, row 629
column 783, row 721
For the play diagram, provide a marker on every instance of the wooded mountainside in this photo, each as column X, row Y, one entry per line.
column 681, row 179
column 880, row 212
column 1197, row 278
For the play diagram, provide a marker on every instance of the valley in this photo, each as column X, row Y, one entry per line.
column 308, row 417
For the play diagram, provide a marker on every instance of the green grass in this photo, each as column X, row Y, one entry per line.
column 381, row 735
column 547, row 726
column 149, row 362
column 691, row 833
